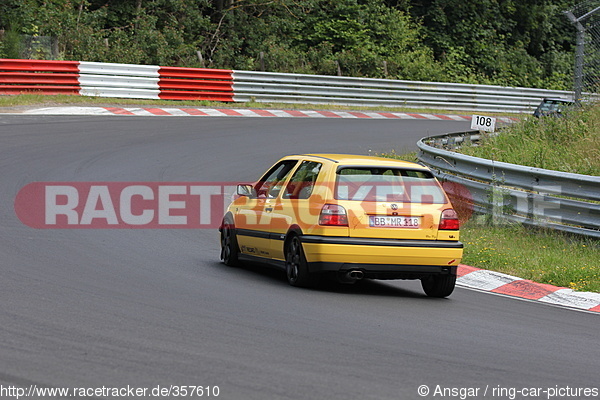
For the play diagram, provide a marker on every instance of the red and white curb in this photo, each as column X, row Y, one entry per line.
column 496, row 282
column 230, row 112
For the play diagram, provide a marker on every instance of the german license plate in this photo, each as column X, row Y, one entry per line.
column 394, row 222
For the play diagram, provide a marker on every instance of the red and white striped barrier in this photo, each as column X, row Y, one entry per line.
column 115, row 80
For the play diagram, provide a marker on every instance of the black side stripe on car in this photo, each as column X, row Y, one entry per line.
column 448, row 244
column 259, row 234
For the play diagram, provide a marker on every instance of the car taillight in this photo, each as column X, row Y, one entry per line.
column 449, row 220
column 332, row 214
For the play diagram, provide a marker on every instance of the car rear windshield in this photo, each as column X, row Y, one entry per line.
column 388, row 185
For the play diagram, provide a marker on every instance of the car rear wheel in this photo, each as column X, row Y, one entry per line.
column 229, row 246
column 439, row 285
column 296, row 267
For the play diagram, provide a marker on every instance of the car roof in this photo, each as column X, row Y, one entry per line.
column 358, row 160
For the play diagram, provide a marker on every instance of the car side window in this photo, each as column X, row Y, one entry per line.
column 272, row 182
column 303, row 181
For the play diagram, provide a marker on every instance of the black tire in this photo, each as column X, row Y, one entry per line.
column 296, row 267
column 439, row 285
column 229, row 245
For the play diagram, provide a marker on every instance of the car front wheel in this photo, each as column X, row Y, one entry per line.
column 439, row 285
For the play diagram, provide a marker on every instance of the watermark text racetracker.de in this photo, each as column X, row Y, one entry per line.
column 169, row 391
column 506, row 392
column 201, row 205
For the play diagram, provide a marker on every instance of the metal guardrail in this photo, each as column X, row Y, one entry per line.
column 176, row 83
column 320, row 89
column 518, row 193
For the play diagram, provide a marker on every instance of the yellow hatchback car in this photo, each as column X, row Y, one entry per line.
column 351, row 217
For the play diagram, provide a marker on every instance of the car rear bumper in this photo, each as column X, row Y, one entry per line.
column 384, row 271
column 382, row 258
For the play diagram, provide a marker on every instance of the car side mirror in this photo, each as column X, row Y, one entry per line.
column 246, row 190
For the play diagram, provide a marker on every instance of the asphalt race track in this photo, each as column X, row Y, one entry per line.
column 143, row 308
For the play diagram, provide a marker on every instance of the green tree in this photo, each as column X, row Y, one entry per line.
column 507, row 42
column 318, row 35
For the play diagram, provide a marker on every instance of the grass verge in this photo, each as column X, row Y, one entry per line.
column 539, row 255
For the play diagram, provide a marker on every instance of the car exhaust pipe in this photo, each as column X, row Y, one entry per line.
column 355, row 275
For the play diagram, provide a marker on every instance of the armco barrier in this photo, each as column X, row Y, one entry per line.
column 114, row 80
column 318, row 89
column 533, row 196
column 174, row 83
